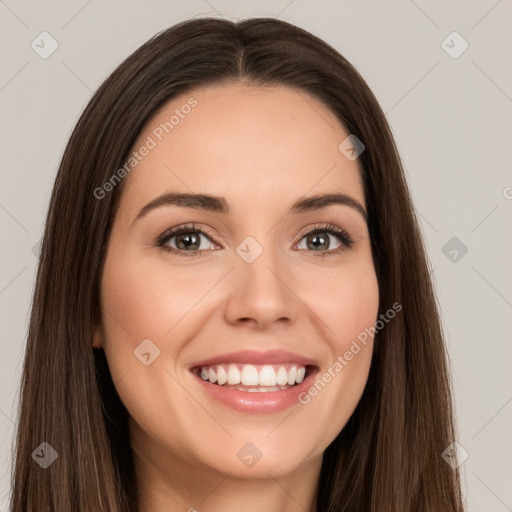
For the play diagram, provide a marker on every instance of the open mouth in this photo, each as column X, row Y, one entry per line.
column 254, row 378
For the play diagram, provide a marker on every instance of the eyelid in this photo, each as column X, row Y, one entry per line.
column 318, row 226
column 345, row 238
column 189, row 226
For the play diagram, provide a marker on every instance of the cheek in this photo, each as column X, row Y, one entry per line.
column 348, row 309
column 346, row 302
column 356, row 309
column 146, row 300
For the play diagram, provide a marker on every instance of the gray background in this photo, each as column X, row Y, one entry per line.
column 452, row 123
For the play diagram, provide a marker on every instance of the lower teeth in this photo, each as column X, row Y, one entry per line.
column 259, row 389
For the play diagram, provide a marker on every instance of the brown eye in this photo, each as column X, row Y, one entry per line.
column 325, row 240
column 320, row 242
column 185, row 241
column 189, row 240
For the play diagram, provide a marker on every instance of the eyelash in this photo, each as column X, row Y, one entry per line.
column 331, row 228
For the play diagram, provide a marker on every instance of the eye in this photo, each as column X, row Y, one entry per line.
column 320, row 240
column 183, row 239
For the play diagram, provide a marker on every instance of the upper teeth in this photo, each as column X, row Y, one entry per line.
column 254, row 375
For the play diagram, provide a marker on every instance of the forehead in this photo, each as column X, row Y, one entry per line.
column 245, row 143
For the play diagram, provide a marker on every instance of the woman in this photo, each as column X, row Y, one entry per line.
column 233, row 306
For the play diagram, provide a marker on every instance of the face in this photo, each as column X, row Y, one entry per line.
column 230, row 325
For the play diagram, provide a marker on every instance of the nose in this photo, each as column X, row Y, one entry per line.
column 261, row 293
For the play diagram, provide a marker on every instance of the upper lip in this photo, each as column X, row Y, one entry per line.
column 256, row 357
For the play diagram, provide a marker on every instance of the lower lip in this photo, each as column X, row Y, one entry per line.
column 254, row 402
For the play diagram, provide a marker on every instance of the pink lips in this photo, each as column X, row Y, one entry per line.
column 255, row 357
column 256, row 402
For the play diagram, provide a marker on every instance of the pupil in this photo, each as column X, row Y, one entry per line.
column 184, row 241
column 324, row 241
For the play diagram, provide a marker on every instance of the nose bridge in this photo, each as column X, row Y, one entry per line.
column 258, row 290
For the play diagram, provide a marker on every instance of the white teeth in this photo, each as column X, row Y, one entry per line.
column 233, row 374
column 222, row 376
column 254, row 378
column 267, row 376
column 292, row 374
column 249, row 375
column 282, row 376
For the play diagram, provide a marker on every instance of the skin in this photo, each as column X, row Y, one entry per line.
column 262, row 149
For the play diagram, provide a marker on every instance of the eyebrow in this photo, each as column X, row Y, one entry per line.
column 217, row 204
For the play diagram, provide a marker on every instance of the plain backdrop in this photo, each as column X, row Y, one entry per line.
column 450, row 112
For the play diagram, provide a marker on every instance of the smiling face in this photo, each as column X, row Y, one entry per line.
column 249, row 294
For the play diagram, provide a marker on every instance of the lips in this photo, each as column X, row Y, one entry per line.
column 256, row 357
column 257, row 382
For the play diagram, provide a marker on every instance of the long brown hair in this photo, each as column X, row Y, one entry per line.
column 388, row 456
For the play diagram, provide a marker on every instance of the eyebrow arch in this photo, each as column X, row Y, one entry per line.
column 324, row 200
column 217, row 204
